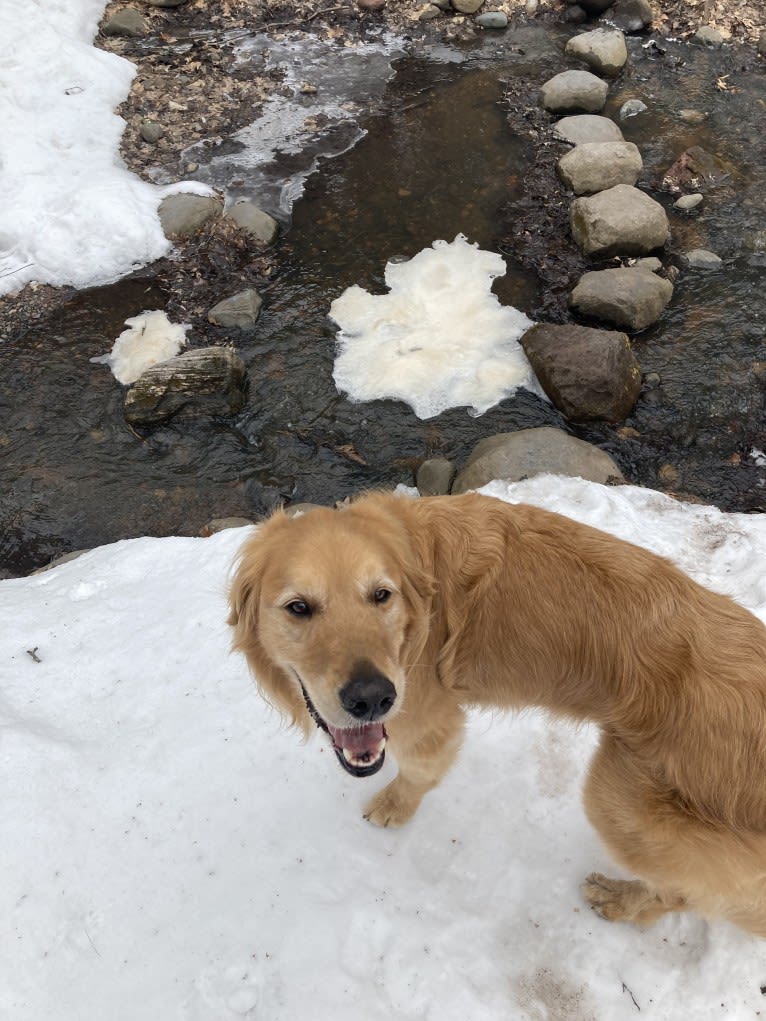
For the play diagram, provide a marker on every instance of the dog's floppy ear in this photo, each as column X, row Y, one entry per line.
column 274, row 684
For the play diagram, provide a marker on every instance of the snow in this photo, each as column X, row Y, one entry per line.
column 72, row 213
column 151, row 338
column 439, row 339
column 171, row 851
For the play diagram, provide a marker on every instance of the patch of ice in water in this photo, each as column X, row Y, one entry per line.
column 439, row 339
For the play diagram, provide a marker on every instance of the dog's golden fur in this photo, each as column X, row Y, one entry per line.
column 507, row 606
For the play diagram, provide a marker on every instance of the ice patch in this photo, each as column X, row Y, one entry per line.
column 151, row 339
column 439, row 339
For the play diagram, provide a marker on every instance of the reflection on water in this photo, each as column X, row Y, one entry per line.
column 73, row 475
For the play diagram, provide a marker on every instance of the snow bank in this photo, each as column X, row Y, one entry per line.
column 170, row 851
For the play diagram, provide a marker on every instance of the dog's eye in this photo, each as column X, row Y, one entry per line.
column 298, row 608
column 381, row 595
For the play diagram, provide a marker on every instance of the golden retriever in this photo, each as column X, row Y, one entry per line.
column 385, row 620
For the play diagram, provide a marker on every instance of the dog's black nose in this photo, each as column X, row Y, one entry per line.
column 368, row 695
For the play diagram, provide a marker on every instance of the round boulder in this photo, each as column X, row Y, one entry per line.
column 603, row 49
column 254, row 221
column 588, row 374
column 632, row 298
column 619, row 221
column 572, row 91
column 597, row 166
column 530, row 452
column 240, row 310
column 184, row 213
column 630, row 15
column 586, row 127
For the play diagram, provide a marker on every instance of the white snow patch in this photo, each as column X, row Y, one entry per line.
column 72, row 213
column 150, row 339
column 439, row 339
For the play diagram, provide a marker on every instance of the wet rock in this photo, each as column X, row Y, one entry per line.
column 151, row 131
column 575, row 15
column 596, row 166
column 687, row 202
column 127, row 22
column 467, row 6
column 571, row 91
column 692, row 116
column 254, row 220
column 206, row 381
column 706, row 35
column 630, row 15
column 240, row 310
column 435, row 476
column 695, row 170
column 217, row 525
column 651, row 262
column 371, row 5
column 631, row 108
column 586, row 127
column 588, row 374
column 602, row 49
column 701, row 258
column 619, row 221
column 183, row 213
column 593, row 6
column 492, row 19
column 530, row 452
column 632, row 298
column 429, row 12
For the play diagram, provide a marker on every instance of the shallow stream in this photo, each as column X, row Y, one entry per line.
column 437, row 158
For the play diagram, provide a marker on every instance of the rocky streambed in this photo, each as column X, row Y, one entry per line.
column 459, row 141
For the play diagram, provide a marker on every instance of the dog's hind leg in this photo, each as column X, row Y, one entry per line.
column 645, row 833
column 423, row 757
column 627, row 900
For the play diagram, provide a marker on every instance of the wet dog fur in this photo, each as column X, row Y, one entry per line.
column 386, row 620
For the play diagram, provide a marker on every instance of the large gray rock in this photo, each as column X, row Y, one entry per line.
column 630, row 15
column 467, row 6
column 182, row 214
column 588, row 374
column 573, row 91
column 586, row 127
column 434, row 476
column 597, row 166
column 632, row 298
column 254, row 220
column 706, row 35
column 240, row 310
column 603, row 49
column 127, row 22
column 530, row 452
column 205, row 381
column 619, row 221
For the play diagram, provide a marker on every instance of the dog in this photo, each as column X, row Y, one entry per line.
column 383, row 622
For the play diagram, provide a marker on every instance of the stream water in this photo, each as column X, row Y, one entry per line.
column 436, row 158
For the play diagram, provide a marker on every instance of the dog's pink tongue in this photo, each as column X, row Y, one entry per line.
column 358, row 739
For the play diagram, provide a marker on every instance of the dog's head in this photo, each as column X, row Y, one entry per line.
column 330, row 608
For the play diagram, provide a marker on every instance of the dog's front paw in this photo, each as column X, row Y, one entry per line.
column 393, row 806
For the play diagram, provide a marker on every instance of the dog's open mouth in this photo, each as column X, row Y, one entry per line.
column 361, row 750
